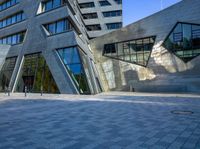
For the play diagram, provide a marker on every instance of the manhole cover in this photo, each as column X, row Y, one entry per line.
column 182, row 112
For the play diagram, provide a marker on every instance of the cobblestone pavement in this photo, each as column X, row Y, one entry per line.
column 106, row 121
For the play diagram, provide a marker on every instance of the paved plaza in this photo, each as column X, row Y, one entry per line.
column 106, row 121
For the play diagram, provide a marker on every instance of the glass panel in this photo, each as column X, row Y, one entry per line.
column 196, row 36
column 36, row 76
column 48, row 5
column 52, row 28
column 74, row 64
column 60, row 27
column 187, row 36
column 6, row 73
column 56, row 3
column 186, row 40
column 135, row 51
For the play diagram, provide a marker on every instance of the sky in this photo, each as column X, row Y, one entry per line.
column 134, row 10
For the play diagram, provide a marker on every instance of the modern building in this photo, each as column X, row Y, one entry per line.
column 101, row 16
column 160, row 53
column 44, row 47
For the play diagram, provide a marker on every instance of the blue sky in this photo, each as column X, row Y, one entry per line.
column 134, row 10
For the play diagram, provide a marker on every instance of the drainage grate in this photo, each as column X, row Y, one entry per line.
column 182, row 112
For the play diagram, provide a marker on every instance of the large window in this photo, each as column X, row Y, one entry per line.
column 13, row 39
column 90, row 16
column 72, row 59
column 94, row 27
column 104, row 3
column 51, row 4
column 112, row 13
column 18, row 17
column 6, row 73
column 116, row 25
column 135, row 51
column 58, row 26
column 7, row 4
column 118, row 1
column 184, row 41
column 87, row 5
column 36, row 76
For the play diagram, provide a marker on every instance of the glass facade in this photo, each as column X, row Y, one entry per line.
column 95, row 27
column 7, row 4
column 6, row 73
column 184, row 41
column 135, row 51
column 58, row 26
column 87, row 5
column 104, row 3
column 13, row 39
column 118, row 1
column 112, row 13
column 36, row 76
column 90, row 16
column 72, row 59
column 51, row 4
column 116, row 25
column 18, row 17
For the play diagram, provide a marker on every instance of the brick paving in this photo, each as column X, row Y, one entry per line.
column 106, row 121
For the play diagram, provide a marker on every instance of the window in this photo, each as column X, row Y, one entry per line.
column 51, row 4
column 184, row 41
column 94, row 27
column 135, row 51
column 36, row 76
column 13, row 39
column 8, row 4
column 118, row 1
column 104, row 3
column 72, row 59
column 6, row 73
column 111, row 26
column 112, row 13
column 90, row 16
column 58, row 26
column 87, row 5
column 18, row 17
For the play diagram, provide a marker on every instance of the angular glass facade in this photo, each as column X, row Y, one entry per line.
column 18, row 17
column 36, row 76
column 59, row 26
column 7, row 4
column 51, row 4
column 74, row 63
column 184, row 41
column 6, row 73
column 135, row 51
column 13, row 39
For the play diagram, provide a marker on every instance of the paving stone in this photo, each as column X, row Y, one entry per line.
column 101, row 121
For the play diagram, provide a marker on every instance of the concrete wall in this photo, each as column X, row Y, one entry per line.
column 164, row 72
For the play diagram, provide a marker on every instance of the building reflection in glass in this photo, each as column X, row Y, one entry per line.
column 36, row 76
column 6, row 73
column 75, row 63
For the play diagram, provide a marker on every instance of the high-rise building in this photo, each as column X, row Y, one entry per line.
column 44, row 47
column 101, row 16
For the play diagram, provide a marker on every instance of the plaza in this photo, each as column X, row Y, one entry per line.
column 113, row 120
